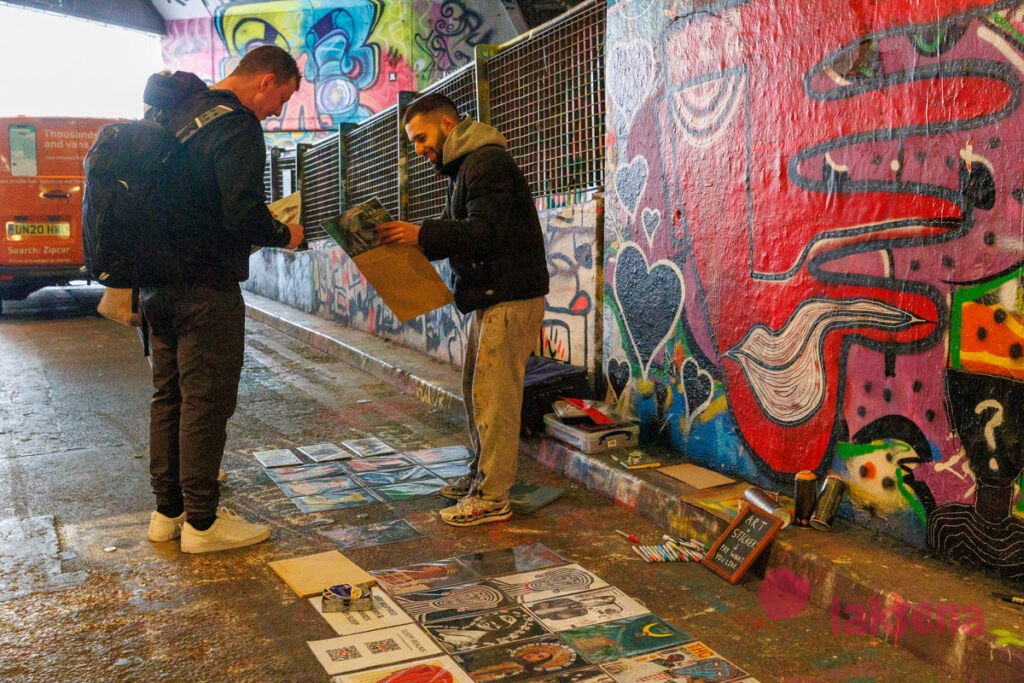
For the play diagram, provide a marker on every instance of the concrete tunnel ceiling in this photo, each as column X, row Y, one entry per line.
column 151, row 16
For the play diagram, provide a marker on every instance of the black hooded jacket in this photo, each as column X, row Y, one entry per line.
column 489, row 230
column 222, row 212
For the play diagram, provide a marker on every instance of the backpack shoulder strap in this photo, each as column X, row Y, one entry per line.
column 204, row 119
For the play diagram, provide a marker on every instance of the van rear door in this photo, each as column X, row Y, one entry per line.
column 41, row 182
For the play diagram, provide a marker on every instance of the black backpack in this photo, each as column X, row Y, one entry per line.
column 132, row 178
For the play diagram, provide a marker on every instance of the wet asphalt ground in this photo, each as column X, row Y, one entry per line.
column 84, row 596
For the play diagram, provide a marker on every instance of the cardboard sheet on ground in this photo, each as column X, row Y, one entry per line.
column 287, row 209
column 696, row 476
column 404, row 279
column 310, row 574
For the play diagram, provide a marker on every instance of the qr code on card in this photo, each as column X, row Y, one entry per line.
column 377, row 647
column 343, row 654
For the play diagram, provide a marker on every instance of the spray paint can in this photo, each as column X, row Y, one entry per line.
column 759, row 499
column 805, row 494
column 828, row 502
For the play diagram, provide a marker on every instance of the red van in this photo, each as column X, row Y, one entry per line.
column 41, row 182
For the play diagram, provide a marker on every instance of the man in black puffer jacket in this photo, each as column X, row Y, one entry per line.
column 197, row 322
column 490, row 233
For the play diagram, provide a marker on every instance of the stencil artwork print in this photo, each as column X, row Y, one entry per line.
column 485, row 630
column 528, row 660
column 445, row 603
column 582, row 609
column 548, row 583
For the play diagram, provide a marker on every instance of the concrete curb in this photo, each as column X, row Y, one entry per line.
column 436, row 384
column 942, row 614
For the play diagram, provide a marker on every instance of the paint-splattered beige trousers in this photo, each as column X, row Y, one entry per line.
column 501, row 338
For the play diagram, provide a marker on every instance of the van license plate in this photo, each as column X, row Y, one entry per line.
column 26, row 231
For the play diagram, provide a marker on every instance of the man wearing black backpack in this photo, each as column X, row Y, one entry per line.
column 197, row 321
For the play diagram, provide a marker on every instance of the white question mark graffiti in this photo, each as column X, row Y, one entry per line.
column 990, row 427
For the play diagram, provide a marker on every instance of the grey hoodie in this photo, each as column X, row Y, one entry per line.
column 468, row 136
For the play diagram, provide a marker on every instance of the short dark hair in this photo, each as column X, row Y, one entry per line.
column 269, row 59
column 434, row 103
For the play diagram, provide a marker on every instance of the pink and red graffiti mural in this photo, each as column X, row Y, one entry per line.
column 797, row 192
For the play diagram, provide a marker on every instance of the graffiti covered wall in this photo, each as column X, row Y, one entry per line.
column 814, row 246
column 325, row 282
column 355, row 55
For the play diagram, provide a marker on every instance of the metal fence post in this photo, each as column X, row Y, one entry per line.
column 483, row 84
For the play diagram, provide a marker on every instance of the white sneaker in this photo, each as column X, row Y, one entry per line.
column 163, row 528
column 228, row 531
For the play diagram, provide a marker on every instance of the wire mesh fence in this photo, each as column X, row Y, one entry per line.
column 285, row 172
column 268, row 176
column 547, row 98
column 321, row 185
column 371, row 161
column 426, row 189
column 546, row 94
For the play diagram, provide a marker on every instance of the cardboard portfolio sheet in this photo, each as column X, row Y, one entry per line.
column 403, row 277
column 309, row 575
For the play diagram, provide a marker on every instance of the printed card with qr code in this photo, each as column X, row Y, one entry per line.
column 373, row 649
column 343, row 654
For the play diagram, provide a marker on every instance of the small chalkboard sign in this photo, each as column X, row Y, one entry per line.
column 740, row 544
